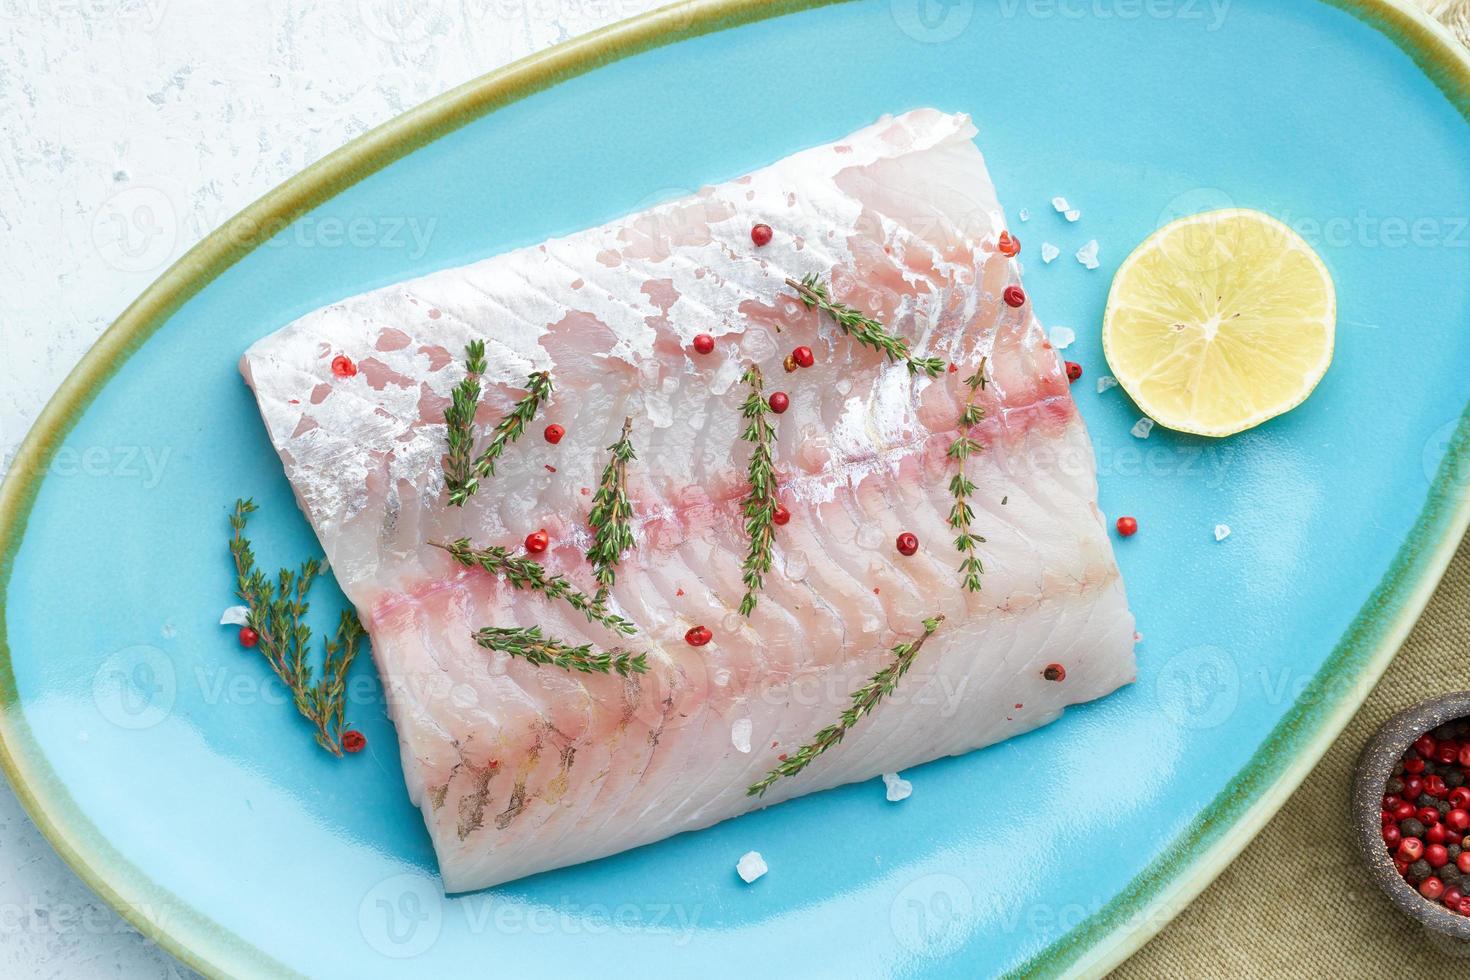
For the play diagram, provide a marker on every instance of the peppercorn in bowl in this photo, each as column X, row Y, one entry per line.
column 1411, row 802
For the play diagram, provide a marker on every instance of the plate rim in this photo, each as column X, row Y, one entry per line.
column 1160, row 890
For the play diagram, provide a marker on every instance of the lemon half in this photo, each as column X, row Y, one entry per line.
column 1220, row 321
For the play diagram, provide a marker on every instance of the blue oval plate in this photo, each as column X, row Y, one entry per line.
column 165, row 766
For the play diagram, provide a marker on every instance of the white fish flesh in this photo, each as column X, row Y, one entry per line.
column 521, row 768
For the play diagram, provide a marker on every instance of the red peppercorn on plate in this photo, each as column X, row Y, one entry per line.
column 899, row 218
column 1271, row 573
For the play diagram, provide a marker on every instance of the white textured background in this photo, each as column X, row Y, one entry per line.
column 128, row 130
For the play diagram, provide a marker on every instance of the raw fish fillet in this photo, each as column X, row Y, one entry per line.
column 520, row 768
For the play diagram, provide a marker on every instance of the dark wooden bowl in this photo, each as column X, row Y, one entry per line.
column 1375, row 766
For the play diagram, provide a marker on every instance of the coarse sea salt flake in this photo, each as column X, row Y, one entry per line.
column 1062, row 337
column 235, row 616
column 898, row 787
column 1087, row 254
column 751, row 866
column 1105, row 382
column 1222, row 531
column 1049, row 252
column 1060, row 203
column 1024, row 214
column 1142, row 428
column 1073, row 215
column 740, row 734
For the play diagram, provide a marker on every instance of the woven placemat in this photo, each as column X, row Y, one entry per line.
column 1297, row 902
column 1454, row 14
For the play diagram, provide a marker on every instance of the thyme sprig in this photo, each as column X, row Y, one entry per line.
column 506, row 431
column 760, row 503
column 861, row 327
column 528, row 644
column 611, row 533
column 864, row 700
column 277, row 613
column 523, row 573
column 459, row 420
column 961, row 515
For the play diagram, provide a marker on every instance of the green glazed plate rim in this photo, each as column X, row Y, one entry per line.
column 1158, row 893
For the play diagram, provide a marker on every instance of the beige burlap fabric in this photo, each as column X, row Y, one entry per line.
column 1297, row 902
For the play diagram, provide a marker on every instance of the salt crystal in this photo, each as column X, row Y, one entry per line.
column 1049, row 252
column 898, row 787
column 725, row 375
column 168, row 631
column 1072, row 215
column 751, row 866
column 740, row 734
column 758, row 345
column 1105, row 382
column 1024, row 214
column 1142, row 428
column 1060, row 203
column 1222, row 531
column 235, row 616
column 1087, row 254
column 1062, row 337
